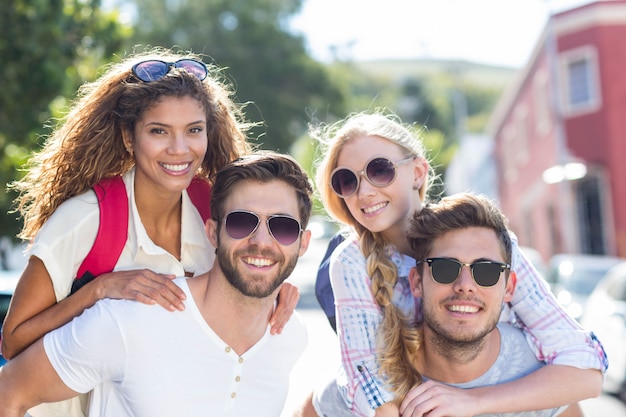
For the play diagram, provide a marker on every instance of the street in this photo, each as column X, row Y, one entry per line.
column 321, row 358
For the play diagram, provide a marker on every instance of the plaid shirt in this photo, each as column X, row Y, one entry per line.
column 553, row 335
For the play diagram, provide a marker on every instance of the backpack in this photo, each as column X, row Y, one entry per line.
column 323, row 289
column 113, row 230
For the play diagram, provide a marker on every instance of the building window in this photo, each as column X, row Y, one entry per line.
column 580, row 81
column 579, row 88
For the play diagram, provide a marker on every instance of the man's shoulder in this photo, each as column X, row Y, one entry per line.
column 516, row 357
column 294, row 337
column 296, row 327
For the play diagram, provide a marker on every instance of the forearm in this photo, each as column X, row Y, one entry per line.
column 29, row 380
column 549, row 387
column 16, row 338
column 388, row 410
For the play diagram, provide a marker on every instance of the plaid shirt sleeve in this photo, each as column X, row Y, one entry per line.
column 358, row 317
column 555, row 337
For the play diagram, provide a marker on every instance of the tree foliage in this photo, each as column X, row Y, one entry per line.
column 47, row 48
column 268, row 64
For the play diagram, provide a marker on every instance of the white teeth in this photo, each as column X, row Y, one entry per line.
column 175, row 168
column 374, row 208
column 258, row 262
column 463, row 309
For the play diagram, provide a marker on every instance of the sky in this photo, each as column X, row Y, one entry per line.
column 495, row 32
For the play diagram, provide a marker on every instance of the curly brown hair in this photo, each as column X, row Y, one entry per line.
column 87, row 144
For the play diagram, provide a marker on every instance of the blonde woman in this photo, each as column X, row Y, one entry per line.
column 374, row 176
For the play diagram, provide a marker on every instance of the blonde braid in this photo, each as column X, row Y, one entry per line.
column 398, row 340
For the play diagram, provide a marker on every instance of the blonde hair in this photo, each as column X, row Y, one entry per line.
column 87, row 145
column 376, row 249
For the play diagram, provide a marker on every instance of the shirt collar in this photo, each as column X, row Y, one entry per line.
column 191, row 234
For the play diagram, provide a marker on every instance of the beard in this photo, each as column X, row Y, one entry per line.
column 460, row 344
column 254, row 285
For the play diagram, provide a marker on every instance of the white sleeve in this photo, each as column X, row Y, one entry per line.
column 65, row 239
column 88, row 350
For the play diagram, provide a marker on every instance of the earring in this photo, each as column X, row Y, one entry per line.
column 130, row 151
column 416, row 187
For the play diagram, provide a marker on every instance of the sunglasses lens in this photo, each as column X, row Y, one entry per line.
column 240, row 224
column 486, row 274
column 196, row 68
column 380, row 171
column 344, row 182
column 284, row 229
column 445, row 271
column 150, row 70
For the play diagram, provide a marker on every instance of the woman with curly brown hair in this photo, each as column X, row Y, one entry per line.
column 158, row 121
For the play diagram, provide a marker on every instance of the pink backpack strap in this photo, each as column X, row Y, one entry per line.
column 112, row 232
column 113, row 229
column 200, row 194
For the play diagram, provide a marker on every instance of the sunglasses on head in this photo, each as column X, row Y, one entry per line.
column 241, row 224
column 378, row 171
column 446, row 270
column 155, row 69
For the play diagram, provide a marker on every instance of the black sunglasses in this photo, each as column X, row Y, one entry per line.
column 284, row 229
column 155, row 69
column 378, row 171
column 446, row 270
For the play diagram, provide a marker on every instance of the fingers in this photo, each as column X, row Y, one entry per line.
column 161, row 291
column 147, row 287
column 288, row 298
column 420, row 400
column 434, row 399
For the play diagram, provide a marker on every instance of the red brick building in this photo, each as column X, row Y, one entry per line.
column 568, row 106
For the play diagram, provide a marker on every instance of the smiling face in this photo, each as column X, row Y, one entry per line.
column 170, row 142
column 382, row 209
column 462, row 312
column 257, row 264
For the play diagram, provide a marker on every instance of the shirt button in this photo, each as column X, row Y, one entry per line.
column 227, row 349
column 238, row 378
column 233, row 395
column 240, row 360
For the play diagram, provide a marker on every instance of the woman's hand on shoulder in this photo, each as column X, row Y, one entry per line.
column 288, row 297
column 434, row 399
column 141, row 285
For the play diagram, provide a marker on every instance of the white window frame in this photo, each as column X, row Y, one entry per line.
column 589, row 55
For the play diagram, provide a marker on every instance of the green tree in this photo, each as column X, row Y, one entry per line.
column 47, row 48
column 268, row 64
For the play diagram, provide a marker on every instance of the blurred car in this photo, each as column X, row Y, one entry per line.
column 573, row 277
column 8, row 281
column 605, row 315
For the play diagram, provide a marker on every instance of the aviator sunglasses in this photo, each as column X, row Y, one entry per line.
column 284, row 229
column 446, row 270
column 378, row 171
column 155, row 69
